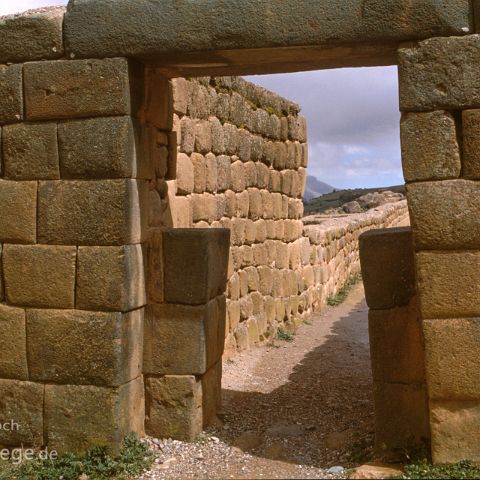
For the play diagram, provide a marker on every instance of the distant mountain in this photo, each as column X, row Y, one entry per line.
column 315, row 188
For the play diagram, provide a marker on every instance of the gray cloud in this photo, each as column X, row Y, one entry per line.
column 353, row 122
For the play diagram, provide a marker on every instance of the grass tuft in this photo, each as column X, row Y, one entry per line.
column 284, row 336
column 342, row 294
column 134, row 458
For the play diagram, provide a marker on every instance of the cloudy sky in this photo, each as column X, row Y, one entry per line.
column 352, row 115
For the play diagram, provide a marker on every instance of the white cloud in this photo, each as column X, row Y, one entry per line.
column 15, row 6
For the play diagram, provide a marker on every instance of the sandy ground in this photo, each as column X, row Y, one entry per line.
column 290, row 410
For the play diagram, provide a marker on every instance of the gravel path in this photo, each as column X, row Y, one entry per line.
column 290, row 410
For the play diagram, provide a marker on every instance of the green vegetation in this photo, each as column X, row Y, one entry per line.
column 134, row 458
column 342, row 294
column 337, row 198
column 284, row 336
column 423, row 469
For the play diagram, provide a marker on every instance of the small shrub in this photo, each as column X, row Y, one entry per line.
column 342, row 294
column 96, row 464
column 424, row 469
column 284, row 336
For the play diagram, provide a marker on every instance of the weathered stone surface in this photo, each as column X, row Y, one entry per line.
column 11, row 93
column 93, row 348
column 184, row 340
column 79, row 417
column 429, row 146
column 388, row 269
column 157, row 108
column 448, row 284
column 33, row 35
column 110, row 278
column 401, row 416
column 471, row 145
column 30, row 151
column 445, row 215
column 92, row 29
column 455, row 428
column 22, row 402
column 13, row 354
column 452, row 358
column 185, row 174
column 196, row 263
column 39, row 275
column 100, row 212
column 211, row 393
column 173, row 407
column 396, row 345
column 18, row 214
column 78, row 88
column 154, row 277
column 100, row 148
column 440, row 73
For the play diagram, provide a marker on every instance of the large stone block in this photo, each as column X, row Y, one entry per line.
column 448, row 284
column 33, row 35
column 196, row 262
column 445, row 215
column 18, row 211
column 452, row 359
column 22, row 403
column 387, row 261
column 93, row 348
column 78, row 88
column 401, row 417
column 13, row 353
column 79, row 417
column 455, row 428
column 30, row 151
column 100, row 148
column 110, row 278
column 429, row 146
column 184, row 340
column 100, row 212
column 211, row 393
column 39, row 275
column 440, row 73
column 154, row 264
column 92, row 29
column 471, row 143
column 185, row 174
column 11, row 93
column 173, row 407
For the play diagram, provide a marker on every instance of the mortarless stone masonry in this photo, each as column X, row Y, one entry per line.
column 104, row 159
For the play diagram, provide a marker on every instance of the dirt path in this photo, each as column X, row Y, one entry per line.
column 291, row 410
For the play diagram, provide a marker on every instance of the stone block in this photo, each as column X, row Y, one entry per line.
column 184, row 339
column 388, row 271
column 180, row 91
column 471, row 144
column 211, row 393
column 11, row 93
column 100, row 148
column 429, row 146
column 22, row 402
column 439, row 73
column 13, row 354
column 39, row 275
column 448, row 284
column 199, row 173
column 211, row 172
column 18, row 214
column 187, row 129
column 203, row 136
column 204, row 207
column 79, row 417
column 154, row 264
column 401, row 417
column 224, row 177
column 196, row 264
column 30, row 151
column 185, row 175
column 33, row 35
column 110, row 278
column 173, row 407
column 156, row 95
column 238, row 176
column 99, row 212
column 455, row 426
column 396, row 345
column 78, row 88
column 93, row 348
column 452, row 359
column 445, row 215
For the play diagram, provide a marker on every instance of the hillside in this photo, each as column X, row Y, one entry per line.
column 315, row 188
column 338, row 198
